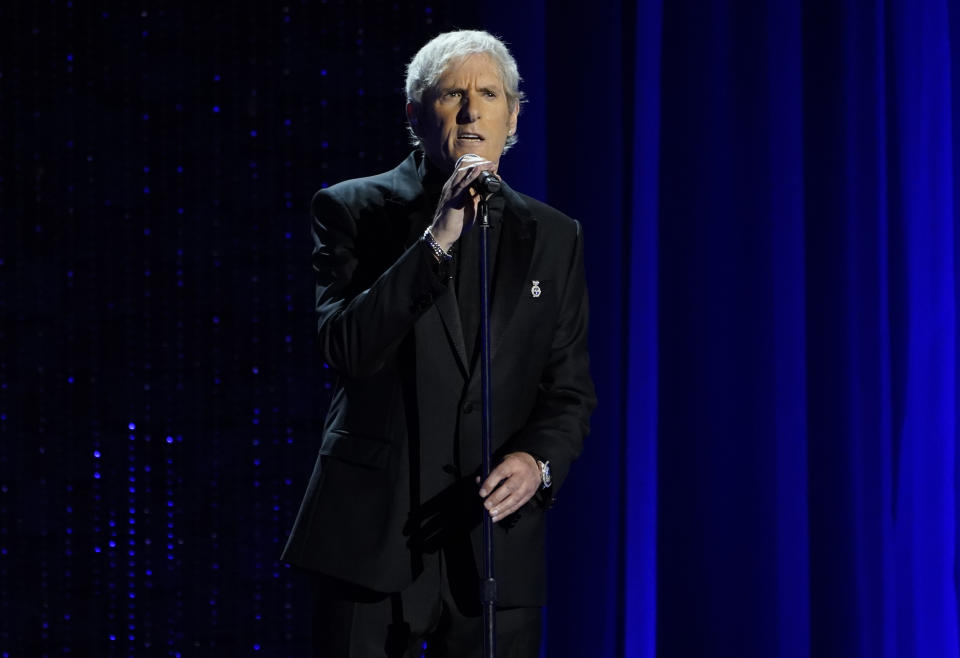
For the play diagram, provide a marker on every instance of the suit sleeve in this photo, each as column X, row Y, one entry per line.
column 565, row 399
column 363, row 313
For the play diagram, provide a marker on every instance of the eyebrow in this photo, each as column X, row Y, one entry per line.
column 446, row 90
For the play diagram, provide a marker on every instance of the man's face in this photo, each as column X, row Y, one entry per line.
column 466, row 112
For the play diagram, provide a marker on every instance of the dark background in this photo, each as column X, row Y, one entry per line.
column 768, row 194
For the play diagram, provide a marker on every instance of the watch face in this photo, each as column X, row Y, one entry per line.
column 545, row 474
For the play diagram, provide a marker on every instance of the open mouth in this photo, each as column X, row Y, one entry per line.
column 470, row 137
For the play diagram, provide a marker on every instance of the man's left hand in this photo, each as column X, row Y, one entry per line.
column 510, row 485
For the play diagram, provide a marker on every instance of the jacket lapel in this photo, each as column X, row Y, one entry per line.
column 513, row 264
column 446, row 305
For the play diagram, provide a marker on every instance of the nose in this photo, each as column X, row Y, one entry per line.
column 469, row 109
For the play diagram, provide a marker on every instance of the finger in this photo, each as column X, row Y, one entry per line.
column 468, row 174
column 461, row 186
column 499, row 495
column 509, row 506
column 496, row 476
column 500, row 473
column 470, row 160
column 457, row 193
column 466, row 158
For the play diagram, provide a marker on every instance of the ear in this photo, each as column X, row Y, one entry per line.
column 412, row 115
column 512, row 121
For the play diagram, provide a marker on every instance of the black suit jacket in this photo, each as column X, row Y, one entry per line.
column 401, row 442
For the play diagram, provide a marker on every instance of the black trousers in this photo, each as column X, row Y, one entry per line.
column 433, row 617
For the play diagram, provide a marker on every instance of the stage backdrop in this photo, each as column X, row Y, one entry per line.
column 768, row 193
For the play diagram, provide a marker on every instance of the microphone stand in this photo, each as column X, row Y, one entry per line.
column 488, row 583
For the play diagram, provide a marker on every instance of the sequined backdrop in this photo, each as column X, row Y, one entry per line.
column 158, row 391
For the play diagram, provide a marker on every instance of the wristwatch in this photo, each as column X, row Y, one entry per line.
column 545, row 478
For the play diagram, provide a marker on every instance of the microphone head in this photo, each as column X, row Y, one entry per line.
column 486, row 183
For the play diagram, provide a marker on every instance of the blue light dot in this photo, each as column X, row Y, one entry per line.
column 131, row 426
column 69, row 57
column 70, row 379
column 287, row 122
column 169, row 439
column 179, row 211
column 96, row 476
column 216, row 319
column 216, row 109
column 256, row 370
column 179, row 170
column 253, row 133
column 323, row 71
column 216, row 78
column 146, row 190
column 96, row 454
column 146, row 169
column 146, row 117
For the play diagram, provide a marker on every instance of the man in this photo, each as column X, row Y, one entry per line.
column 391, row 519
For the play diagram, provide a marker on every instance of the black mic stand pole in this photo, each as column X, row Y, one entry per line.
column 488, row 583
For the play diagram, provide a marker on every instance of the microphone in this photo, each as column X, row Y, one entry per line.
column 486, row 184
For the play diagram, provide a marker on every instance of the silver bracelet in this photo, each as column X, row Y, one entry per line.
column 438, row 251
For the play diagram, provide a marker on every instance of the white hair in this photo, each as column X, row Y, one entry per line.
column 426, row 67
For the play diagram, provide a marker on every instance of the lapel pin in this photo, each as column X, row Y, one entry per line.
column 535, row 289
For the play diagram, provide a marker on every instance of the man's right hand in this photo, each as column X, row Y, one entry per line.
column 457, row 208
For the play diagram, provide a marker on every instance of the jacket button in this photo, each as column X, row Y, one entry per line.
column 468, row 408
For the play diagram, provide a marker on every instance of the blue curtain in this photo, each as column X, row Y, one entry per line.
column 768, row 192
